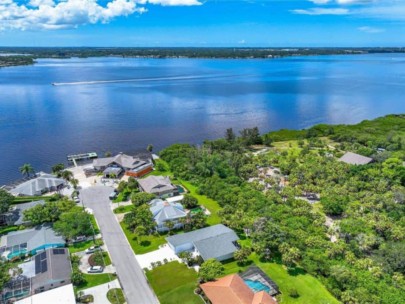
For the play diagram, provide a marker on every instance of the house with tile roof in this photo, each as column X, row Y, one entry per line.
column 232, row 289
column 164, row 211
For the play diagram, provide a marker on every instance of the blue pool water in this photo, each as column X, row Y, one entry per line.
column 257, row 286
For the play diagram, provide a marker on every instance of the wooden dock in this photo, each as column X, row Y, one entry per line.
column 81, row 156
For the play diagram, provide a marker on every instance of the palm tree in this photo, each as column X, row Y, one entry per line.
column 26, row 169
column 74, row 183
column 67, row 175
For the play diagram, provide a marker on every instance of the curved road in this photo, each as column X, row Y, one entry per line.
column 134, row 283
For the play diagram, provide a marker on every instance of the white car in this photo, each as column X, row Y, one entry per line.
column 92, row 249
column 95, row 269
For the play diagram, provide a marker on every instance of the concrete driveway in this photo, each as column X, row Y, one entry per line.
column 164, row 252
column 134, row 283
column 100, row 292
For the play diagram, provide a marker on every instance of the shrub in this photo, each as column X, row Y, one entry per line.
column 293, row 293
column 96, row 259
column 77, row 277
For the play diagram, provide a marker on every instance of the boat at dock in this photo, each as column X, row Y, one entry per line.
column 81, row 156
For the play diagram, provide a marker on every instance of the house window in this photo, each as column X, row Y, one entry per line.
column 62, row 282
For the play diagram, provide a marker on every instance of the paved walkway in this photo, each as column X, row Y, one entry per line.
column 100, row 292
column 158, row 255
column 134, row 283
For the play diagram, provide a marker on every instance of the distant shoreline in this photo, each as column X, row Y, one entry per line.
column 28, row 56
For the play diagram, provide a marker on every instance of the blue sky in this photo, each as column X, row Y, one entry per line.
column 241, row 23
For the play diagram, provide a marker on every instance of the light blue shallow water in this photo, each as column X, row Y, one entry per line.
column 123, row 104
column 257, row 286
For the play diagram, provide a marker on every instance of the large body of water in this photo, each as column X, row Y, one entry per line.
column 115, row 104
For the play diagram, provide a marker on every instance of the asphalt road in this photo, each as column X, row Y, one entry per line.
column 132, row 278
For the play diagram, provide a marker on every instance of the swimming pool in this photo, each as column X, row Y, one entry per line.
column 257, row 286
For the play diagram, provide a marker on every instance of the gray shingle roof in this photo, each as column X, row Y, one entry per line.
column 217, row 246
column 36, row 237
column 164, row 211
column 37, row 185
column 355, row 159
column 58, row 268
column 17, row 215
column 126, row 161
column 156, row 184
column 200, row 234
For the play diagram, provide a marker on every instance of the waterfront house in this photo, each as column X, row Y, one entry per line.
column 159, row 185
column 355, row 159
column 29, row 241
column 40, row 184
column 233, row 289
column 218, row 242
column 164, row 211
column 130, row 165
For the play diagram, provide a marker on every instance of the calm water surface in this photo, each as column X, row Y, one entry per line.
column 114, row 104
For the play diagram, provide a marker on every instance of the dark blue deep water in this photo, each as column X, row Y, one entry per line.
column 163, row 101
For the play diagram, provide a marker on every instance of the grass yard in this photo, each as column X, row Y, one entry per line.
column 210, row 204
column 116, row 296
column 6, row 230
column 174, row 283
column 77, row 247
column 123, row 209
column 94, row 223
column 308, row 287
column 149, row 243
column 95, row 280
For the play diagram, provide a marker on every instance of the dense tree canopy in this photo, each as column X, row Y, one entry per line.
column 5, row 200
column 74, row 223
column 352, row 239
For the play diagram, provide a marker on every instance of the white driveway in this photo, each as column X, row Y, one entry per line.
column 155, row 256
column 100, row 292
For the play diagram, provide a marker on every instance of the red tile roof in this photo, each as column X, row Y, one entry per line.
column 233, row 290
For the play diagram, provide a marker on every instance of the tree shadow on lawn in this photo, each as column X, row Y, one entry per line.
column 145, row 243
column 295, row 271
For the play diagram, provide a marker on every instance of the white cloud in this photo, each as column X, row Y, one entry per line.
column 320, row 1
column 50, row 14
column 321, row 11
column 354, row 1
column 175, row 2
column 243, row 41
column 370, row 30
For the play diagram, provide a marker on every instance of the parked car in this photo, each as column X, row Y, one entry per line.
column 95, row 269
column 80, row 238
column 92, row 249
column 113, row 195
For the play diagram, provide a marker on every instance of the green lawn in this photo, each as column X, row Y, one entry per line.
column 94, row 223
column 309, row 288
column 116, row 296
column 8, row 229
column 149, row 243
column 210, row 204
column 123, row 209
column 123, row 196
column 77, row 247
column 174, row 283
column 95, row 280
